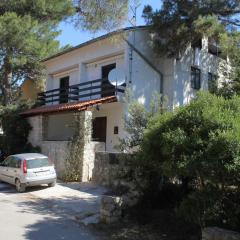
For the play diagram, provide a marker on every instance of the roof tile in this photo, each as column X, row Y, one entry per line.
column 78, row 106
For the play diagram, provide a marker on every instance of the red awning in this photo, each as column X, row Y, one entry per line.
column 78, row 106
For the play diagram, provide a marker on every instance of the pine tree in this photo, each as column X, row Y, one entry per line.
column 94, row 15
column 181, row 22
column 27, row 29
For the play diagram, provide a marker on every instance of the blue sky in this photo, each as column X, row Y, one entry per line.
column 72, row 36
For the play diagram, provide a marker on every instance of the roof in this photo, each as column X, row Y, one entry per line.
column 26, row 156
column 63, row 107
column 92, row 41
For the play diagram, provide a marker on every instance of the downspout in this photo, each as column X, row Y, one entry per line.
column 149, row 63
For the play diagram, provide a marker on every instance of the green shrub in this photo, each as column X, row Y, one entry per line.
column 16, row 130
column 199, row 142
column 211, row 206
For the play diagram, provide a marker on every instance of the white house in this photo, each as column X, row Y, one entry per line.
column 77, row 80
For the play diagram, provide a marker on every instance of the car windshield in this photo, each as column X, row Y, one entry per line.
column 38, row 163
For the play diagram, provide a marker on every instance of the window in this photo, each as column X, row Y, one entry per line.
column 38, row 163
column 214, row 48
column 195, row 78
column 12, row 162
column 212, row 82
column 7, row 161
column 64, row 85
column 15, row 162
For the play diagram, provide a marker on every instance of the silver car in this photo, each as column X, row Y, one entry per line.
column 28, row 169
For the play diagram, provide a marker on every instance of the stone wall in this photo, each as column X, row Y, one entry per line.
column 57, row 151
column 214, row 233
column 110, row 170
column 111, row 209
column 107, row 168
column 89, row 159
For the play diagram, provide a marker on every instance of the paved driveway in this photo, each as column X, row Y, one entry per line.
column 44, row 213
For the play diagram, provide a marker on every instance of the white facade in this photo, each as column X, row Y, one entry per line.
column 145, row 73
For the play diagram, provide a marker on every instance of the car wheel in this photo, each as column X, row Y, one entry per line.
column 20, row 187
column 53, row 184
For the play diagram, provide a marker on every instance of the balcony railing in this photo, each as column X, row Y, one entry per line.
column 79, row 92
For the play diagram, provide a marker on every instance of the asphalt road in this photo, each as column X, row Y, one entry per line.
column 39, row 215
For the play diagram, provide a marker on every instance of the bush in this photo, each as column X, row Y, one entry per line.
column 16, row 130
column 199, row 143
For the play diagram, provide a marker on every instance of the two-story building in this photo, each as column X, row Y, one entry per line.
column 78, row 81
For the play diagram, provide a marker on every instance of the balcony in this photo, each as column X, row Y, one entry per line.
column 81, row 92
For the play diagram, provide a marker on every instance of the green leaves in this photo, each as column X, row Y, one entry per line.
column 96, row 15
column 180, row 23
column 15, row 128
column 198, row 144
column 28, row 32
column 198, row 140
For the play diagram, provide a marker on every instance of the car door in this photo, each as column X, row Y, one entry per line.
column 4, row 170
column 12, row 172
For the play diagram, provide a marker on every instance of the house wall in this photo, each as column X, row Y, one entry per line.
column 59, row 150
column 176, row 72
column 58, row 127
column 56, row 150
column 115, row 115
column 145, row 81
column 181, row 92
column 84, row 64
column 142, row 78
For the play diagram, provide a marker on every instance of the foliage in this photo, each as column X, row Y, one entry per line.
column 135, row 124
column 180, row 23
column 27, row 35
column 230, row 45
column 199, row 142
column 136, row 120
column 74, row 159
column 16, row 130
column 97, row 15
column 211, row 206
column 41, row 10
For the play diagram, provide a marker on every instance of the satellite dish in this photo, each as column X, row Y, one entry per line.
column 116, row 77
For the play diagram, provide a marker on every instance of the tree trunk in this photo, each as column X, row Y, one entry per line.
column 6, row 82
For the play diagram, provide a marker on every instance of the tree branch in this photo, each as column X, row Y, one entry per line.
column 230, row 22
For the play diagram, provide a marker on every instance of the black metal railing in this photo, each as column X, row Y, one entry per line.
column 79, row 92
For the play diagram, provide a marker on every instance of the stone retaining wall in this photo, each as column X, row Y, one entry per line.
column 107, row 167
column 111, row 209
column 110, row 170
column 57, row 151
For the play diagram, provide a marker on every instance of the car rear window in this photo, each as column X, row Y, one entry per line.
column 38, row 163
